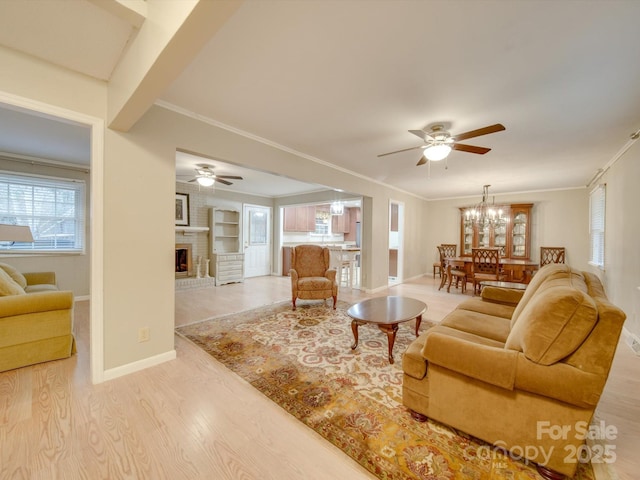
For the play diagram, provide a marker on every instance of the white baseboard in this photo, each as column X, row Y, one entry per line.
column 632, row 341
column 139, row 365
column 82, row 298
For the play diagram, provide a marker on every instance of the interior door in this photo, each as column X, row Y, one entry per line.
column 257, row 240
column 396, row 242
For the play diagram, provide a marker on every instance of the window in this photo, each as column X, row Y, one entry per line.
column 53, row 208
column 596, row 225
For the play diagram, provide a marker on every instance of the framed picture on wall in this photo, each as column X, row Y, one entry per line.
column 182, row 209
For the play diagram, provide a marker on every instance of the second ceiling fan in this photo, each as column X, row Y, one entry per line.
column 206, row 176
column 438, row 142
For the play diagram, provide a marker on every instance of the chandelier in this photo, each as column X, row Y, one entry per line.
column 336, row 208
column 484, row 212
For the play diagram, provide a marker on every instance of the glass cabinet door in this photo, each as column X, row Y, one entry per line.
column 484, row 235
column 500, row 235
column 467, row 235
column 519, row 235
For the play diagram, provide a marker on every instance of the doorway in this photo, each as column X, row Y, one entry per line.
column 396, row 230
column 257, row 240
column 94, row 215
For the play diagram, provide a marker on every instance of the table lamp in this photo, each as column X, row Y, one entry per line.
column 15, row 233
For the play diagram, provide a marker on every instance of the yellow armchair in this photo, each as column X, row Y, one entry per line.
column 36, row 320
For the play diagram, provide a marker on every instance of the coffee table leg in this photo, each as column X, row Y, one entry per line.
column 418, row 321
column 354, row 329
column 390, row 330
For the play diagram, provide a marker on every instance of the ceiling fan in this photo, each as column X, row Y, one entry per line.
column 206, row 176
column 438, row 143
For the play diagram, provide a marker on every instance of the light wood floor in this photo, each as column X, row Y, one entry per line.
column 191, row 418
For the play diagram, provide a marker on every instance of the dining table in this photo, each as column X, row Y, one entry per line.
column 516, row 270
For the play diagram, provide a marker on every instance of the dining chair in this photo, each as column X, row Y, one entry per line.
column 551, row 255
column 485, row 266
column 449, row 250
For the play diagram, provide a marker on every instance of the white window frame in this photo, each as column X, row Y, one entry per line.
column 29, row 215
column 597, row 225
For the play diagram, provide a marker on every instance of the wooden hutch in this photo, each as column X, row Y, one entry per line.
column 509, row 230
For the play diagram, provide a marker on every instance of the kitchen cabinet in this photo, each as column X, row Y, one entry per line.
column 299, row 219
column 341, row 223
column 286, row 261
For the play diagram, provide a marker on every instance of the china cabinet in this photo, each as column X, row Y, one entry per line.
column 509, row 230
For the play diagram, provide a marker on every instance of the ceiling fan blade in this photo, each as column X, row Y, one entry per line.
column 422, row 161
column 498, row 127
column 193, row 180
column 230, row 177
column 470, row 148
column 218, row 179
column 419, row 133
column 403, row 150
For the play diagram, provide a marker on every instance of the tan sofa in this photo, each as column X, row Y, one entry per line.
column 520, row 370
column 36, row 319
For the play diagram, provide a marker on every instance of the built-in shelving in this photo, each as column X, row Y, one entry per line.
column 227, row 258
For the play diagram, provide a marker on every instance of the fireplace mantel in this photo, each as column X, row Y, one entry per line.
column 186, row 230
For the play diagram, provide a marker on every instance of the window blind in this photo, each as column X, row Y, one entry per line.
column 53, row 208
column 597, row 204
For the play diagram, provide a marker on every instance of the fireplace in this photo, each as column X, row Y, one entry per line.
column 183, row 259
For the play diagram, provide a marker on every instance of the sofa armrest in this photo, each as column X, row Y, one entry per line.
column 560, row 381
column 35, row 302
column 507, row 296
column 489, row 364
column 40, row 278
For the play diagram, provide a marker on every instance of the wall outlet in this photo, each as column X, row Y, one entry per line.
column 143, row 334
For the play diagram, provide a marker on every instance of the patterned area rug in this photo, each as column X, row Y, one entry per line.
column 303, row 361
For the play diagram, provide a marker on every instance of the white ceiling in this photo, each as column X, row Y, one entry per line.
column 344, row 81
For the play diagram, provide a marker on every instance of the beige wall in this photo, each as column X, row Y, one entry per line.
column 559, row 218
column 621, row 275
column 181, row 132
column 139, row 186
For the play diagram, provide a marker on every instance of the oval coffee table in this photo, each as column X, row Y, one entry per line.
column 386, row 313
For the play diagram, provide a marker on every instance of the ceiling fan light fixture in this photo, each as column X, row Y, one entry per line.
column 206, row 181
column 437, row 152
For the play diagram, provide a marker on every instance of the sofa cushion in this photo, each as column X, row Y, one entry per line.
column 552, row 269
column 553, row 324
column 481, row 305
column 314, row 283
column 478, row 323
column 14, row 274
column 8, row 286
column 45, row 287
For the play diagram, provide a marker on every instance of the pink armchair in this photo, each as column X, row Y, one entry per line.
column 311, row 277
